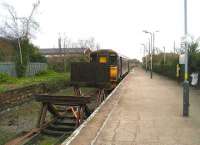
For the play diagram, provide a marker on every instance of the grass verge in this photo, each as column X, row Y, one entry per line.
column 14, row 83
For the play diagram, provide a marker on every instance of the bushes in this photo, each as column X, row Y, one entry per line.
column 29, row 53
column 194, row 62
column 45, row 72
column 46, row 76
column 20, row 69
column 5, row 78
column 169, row 68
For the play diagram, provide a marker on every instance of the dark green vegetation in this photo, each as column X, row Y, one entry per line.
column 10, row 52
column 168, row 68
column 8, row 82
column 29, row 53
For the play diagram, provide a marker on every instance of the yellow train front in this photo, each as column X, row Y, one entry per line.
column 105, row 69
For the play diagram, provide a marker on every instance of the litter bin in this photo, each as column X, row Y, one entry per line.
column 194, row 78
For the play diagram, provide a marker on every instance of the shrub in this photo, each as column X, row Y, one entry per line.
column 20, row 69
column 5, row 78
column 168, row 68
column 29, row 53
column 45, row 72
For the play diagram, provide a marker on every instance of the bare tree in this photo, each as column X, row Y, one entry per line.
column 74, row 44
column 83, row 43
column 88, row 43
column 68, row 42
column 91, row 43
column 98, row 46
column 19, row 28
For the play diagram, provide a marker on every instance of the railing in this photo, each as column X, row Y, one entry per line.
column 32, row 68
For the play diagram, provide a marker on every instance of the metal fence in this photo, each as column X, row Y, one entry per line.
column 32, row 68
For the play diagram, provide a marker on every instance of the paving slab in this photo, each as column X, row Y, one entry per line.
column 143, row 111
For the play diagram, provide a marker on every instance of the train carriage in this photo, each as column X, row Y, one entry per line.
column 105, row 69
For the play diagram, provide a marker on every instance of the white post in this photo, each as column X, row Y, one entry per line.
column 151, row 55
column 186, row 83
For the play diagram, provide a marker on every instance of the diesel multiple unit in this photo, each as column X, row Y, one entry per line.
column 105, row 69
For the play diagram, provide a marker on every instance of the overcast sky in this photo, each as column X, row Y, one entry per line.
column 115, row 24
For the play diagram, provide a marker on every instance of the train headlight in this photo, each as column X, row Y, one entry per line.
column 113, row 73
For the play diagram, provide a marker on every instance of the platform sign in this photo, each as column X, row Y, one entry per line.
column 182, row 59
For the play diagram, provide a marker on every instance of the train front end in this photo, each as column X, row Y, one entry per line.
column 105, row 69
column 110, row 59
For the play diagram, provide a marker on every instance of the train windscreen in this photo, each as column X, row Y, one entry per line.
column 113, row 60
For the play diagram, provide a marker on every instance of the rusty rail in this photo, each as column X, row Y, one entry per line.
column 76, row 105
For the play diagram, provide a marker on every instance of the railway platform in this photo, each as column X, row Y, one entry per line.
column 142, row 111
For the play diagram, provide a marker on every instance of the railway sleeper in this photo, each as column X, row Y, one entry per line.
column 61, row 127
column 68, row 121
column 55, row 133
column 67, row 116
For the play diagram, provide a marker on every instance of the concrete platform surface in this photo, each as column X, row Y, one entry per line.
column 143, row 111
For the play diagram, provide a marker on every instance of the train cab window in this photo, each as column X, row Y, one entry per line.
column 93, row 58
column 102, row 59
column 113, row 59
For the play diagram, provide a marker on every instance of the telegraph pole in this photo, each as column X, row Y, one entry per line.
column 186, row 83
column 151, row 55
column 149, row 51
column 164, row 55
column 174, row 47
column 144, row 55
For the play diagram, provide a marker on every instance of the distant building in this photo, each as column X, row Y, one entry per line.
column 56, row 52
column 60, row 59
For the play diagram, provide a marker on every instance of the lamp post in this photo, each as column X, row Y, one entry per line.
column 152, row 34
column 145, row 55
column 186, row 83
column 151, row 67
column 149, row 40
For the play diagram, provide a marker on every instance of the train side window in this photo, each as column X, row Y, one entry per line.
column 113, row 59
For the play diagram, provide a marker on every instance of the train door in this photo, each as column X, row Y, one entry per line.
column 120, row 64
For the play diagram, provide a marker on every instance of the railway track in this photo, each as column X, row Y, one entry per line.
column 56, row 131
column 59, row 117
